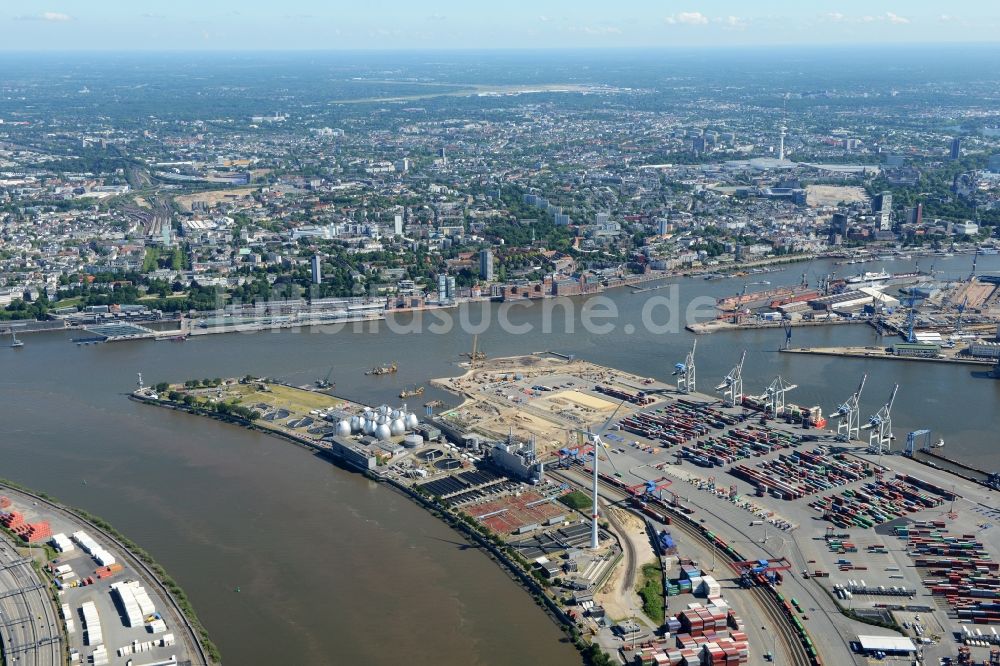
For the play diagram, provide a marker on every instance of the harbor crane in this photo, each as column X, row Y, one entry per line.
column 597, row 443
column 961, row 315
column 879, row 427
column 652, row 487
column 325, row 382
column 911, row 441
column 787, row 325
column 139, row 383
column 685, row 372
column 849, row 426
column 911, row 317
column 776, row 395
column 732, row 385
column 743, row 293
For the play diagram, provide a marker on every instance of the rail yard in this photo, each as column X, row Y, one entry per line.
column 70, row 593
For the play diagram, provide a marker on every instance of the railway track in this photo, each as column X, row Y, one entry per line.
column 778, row 621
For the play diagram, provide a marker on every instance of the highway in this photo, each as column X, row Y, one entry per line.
column 29, row 626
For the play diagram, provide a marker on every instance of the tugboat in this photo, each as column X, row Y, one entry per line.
column 383, row 370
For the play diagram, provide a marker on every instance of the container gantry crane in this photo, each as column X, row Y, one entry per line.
column 732, row 385
column 849, row 426
column 776, row 395
column 686, row 372
column 880, row 427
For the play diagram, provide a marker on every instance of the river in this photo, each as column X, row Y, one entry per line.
column 335, row 569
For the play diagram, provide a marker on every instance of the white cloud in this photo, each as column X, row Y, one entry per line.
column 731, row 22
column 544, row 19
column 687, row 18
column 603, row 30
column 888, row 17
column 944, row 18
column 52, row 17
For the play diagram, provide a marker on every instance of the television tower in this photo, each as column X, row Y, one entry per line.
column 783, row 129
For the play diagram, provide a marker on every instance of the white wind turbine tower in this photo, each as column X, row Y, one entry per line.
column 597, row 443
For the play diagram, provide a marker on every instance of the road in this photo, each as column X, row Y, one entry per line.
column 29, row 627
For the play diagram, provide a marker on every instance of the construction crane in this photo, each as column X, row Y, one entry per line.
column 776, row 395
column 685, row 372
column 597, row 443
column 849, row 427
column 880, row 427
column 732, row 385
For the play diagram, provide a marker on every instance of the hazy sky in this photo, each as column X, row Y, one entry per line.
column 407, row 24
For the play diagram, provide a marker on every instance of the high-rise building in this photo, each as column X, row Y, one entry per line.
column 442, row 287
column 956, row 148
column 916, row 214
column 486, row 264
column 398, row 225
column 882, row 208
column 662, row 226
column 317, row 272
column 451, row 288
column 839, row 224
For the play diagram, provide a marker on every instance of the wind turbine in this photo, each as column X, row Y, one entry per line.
column 597, row 443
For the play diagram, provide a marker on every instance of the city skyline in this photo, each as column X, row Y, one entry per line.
column 446, row 24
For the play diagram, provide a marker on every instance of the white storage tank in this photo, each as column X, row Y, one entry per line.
column 397, row 427
column 410, row 421
column 344, row 428
column 368, row 427
column 382, row 432
column 356, row 423
column 413, row 441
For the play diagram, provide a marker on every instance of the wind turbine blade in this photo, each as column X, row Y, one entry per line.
column 611, row 418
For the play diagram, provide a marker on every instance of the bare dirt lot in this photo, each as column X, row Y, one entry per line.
column 831, row 195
